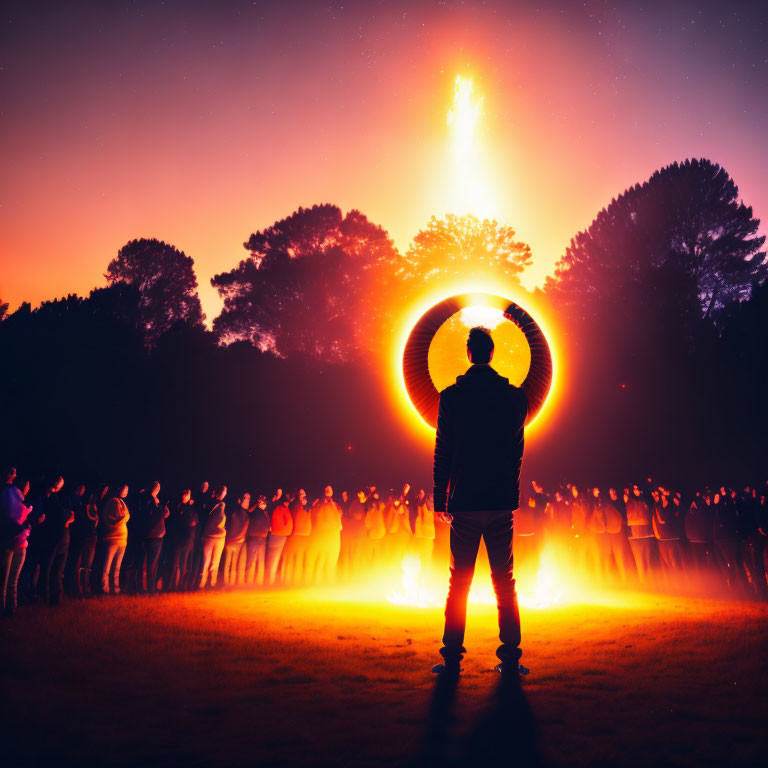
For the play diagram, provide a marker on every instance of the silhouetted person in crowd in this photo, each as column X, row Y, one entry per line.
column 113, row 524
column 598, row 541
column 296, row 551
column 616, row 535
column 747, row 507
column 478, row 456
column 642, row 539
column 77, row 503
column 154, row 516
column 204, row 503
column 560, row 515
column 353, row 536
column 214, row 535
column 423, row 528
column 185, row 524
column 699, row 526
column 581, row 539
column 14, row 532
column 397, row 520
column 54, row 534
column 280, row 528
column 668, row 527
column 726, row 536
column 326, row 536
column 84, row 537
column 375, row 526
column 238, row 518
column 256, row 542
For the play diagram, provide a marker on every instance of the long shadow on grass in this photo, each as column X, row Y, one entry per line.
column 505, row 732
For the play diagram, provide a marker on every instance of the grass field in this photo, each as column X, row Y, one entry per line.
column 289, row 677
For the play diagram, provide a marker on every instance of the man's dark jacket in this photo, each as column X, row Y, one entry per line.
column 479, row 443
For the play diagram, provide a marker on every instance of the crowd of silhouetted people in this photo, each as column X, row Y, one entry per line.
column 77, row 541
column 651, row 536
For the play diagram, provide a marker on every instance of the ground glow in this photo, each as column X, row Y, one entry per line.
column 548, row 583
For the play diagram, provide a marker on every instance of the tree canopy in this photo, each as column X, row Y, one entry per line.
column 456, row 246
column 306, row 285
column 166, row 282
column 686, row 218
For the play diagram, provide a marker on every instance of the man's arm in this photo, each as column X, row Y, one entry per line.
column 441, row 467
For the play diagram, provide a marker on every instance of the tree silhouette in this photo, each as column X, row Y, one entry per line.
column 306, row 285
column 688, row 217
column 456, row 246
column 3, row 309
column 166, row 282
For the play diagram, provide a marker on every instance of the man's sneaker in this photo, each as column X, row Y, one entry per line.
column 448, row 668
column 511, row 667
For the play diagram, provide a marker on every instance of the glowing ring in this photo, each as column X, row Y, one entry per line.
column 418, row 383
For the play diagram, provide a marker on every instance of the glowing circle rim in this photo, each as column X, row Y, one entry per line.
column 418, row 381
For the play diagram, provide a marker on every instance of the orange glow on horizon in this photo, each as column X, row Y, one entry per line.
column 214, row 132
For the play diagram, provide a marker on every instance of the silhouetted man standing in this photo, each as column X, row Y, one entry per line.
column 478, row 455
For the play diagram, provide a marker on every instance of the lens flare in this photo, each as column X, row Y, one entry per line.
column 477, row 289
column 420, row 380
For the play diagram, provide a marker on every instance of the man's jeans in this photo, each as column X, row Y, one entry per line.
column 113, row 558
column 150, row 558
column 466, row 530
column 275, row 545
column 11, row 562
column 52, row 565
column 255, row 550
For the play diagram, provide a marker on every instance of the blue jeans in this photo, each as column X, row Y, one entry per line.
column 467, row 528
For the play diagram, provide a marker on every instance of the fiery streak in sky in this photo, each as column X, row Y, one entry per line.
column 470, row 188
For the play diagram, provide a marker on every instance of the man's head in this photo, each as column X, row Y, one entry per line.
column 479, row 346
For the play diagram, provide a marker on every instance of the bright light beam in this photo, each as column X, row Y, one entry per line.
column 470, row 190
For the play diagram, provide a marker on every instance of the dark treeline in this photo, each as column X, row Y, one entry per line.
column 664, row 307
column 662, row 302
column 88, row 394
